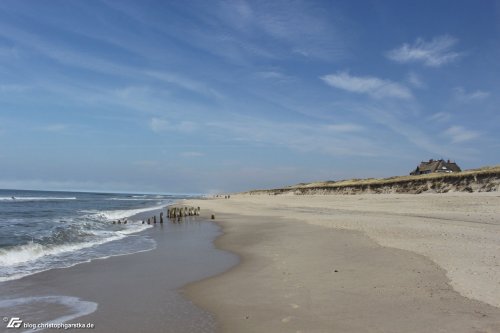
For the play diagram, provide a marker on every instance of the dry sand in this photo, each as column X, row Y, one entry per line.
column 405, row 263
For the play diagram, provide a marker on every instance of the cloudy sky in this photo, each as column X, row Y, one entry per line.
column 204, row 96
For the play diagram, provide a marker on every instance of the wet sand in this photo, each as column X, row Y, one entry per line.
column 375, row 263
column 302, row 270
column 133, row 293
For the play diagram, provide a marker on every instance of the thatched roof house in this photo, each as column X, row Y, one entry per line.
column 436, row 166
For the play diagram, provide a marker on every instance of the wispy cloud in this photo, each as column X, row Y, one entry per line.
column 344, row 128
column 273, row 75
column 191, row 154
column 159, row 125
column 459, row 134
column 185, row 83
column 434, row 53
column 243, row 31
column 440, row 117
column 463, row 96
column 398, row 119
column 146, row 163
column 237, row 13
column 68, row 55
column 9, row 52
column 187, row 126
column 304, row 28
column 373, row 86
column 13, row 88
column 61, row 54
column 55, row 128
column 334, row 140
column 415, row 80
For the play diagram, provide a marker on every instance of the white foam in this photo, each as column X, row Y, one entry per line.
column 32, row 251
column 35, row 198
column 134, row 228
column 32, row 257
column 78, row 307
column 32, row 271
column 132, row 199
column 111, row 215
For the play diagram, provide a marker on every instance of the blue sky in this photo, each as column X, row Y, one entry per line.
column 205, row 96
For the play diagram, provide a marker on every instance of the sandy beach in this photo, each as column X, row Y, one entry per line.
column 322, row 263
column 239, row 166
column 363, row 263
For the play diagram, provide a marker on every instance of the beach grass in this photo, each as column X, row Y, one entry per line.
column 472, row 174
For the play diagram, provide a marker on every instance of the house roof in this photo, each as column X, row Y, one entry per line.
column 434, row 165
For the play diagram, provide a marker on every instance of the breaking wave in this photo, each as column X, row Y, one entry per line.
column 36, row 198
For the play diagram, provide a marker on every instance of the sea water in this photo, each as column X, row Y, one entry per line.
column 42, row 230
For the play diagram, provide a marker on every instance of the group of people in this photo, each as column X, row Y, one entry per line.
column 225, row 197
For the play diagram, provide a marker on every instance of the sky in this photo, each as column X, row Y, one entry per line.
column 213, row 96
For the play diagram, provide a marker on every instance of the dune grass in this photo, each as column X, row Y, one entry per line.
column 472, row 173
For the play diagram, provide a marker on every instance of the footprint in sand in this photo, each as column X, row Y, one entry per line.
column 286, row 319
column 294, row 306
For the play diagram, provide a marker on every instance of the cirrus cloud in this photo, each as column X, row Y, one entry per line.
column 434, row 53
column 191, row 154
column 459, row 134
column 463, row 96
column 159, row 125
column 373, row 86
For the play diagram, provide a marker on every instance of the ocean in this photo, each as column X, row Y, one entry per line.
column 41, row 230
column 50, row 243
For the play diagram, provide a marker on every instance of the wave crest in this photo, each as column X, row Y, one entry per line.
column 36, row 198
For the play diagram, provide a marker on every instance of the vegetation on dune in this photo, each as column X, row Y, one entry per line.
column 484, row 179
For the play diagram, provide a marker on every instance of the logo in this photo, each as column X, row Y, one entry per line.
column 14, row 322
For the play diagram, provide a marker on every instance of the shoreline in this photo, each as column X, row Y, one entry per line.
column 139, row 292
column 287, row 263
column 272, row 305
